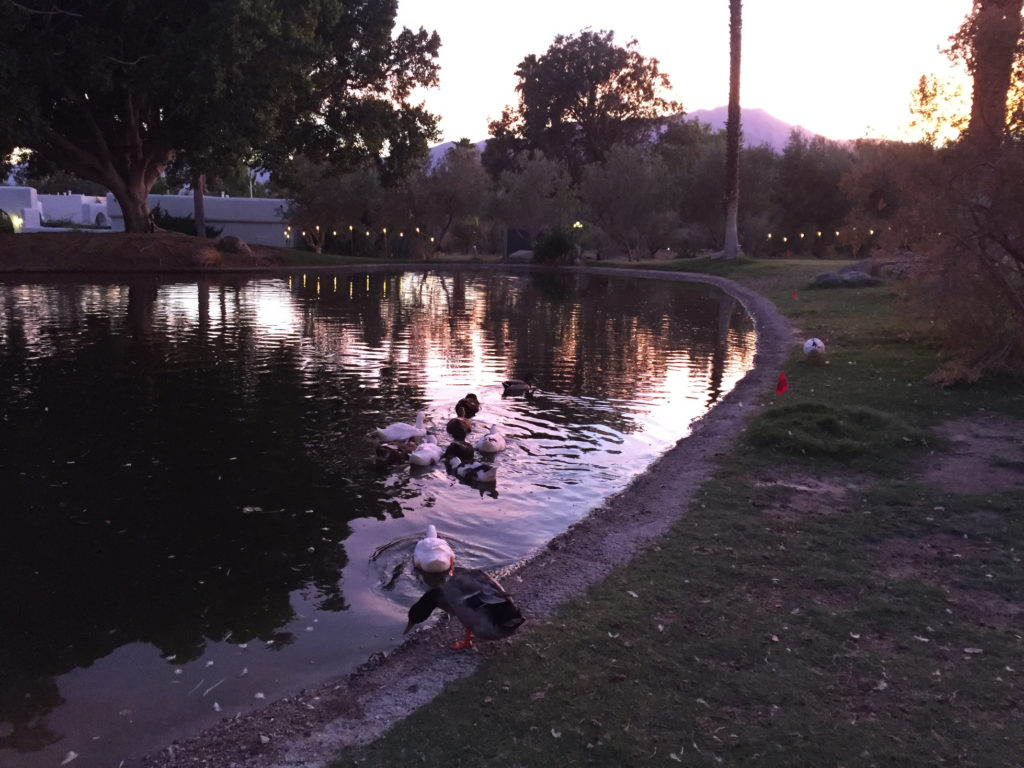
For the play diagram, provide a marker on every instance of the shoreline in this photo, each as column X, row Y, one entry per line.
column 307, row 729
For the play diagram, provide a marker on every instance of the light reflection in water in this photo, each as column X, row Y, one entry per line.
column 195, row 517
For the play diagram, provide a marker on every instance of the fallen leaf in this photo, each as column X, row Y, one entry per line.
column 556, row 734
column 71, row 755
column 631, row 592
column 972, row 650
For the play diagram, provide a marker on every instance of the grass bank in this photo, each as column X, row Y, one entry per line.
column 826, row 601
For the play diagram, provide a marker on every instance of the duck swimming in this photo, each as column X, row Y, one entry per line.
column 479, row 602
column 459, row 427
column 459, row 449
column 476, row 471
column 402, row 431
column 492, row 442
column 523, row 386
column 468, row 406
column 388, row 454
column 433, row 554
column 427, row 453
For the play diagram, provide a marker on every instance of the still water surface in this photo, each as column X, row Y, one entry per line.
column 191, row 522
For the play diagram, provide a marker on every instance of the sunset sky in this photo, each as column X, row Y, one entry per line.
column 841, row 69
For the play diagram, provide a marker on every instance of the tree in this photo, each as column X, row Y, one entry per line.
column 627, row 197
column 456, row 190
column 579, row 99
column 324, row 206
column 114, row 91
column 537, row 197
column 732, row 131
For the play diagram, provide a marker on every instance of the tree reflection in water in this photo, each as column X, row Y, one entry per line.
column 179, row 458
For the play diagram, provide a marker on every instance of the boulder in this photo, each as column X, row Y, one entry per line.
column 521, row 256
column 236, row 245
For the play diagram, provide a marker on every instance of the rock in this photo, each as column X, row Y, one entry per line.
column 522, row 256
column 232, row 244
column 844, row 278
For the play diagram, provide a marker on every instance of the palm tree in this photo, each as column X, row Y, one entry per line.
column 732, row 134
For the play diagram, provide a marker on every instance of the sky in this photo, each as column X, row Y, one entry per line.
column 844, row 69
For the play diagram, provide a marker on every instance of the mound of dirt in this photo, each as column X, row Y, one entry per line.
column 124, row 252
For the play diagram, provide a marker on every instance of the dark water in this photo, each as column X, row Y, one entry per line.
column 191, row 523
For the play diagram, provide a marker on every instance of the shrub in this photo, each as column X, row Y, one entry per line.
column 184, row 224
column 553, row 246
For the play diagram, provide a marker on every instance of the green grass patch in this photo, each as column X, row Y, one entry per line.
column 817, row 605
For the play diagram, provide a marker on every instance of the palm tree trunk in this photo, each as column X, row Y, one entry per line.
column 732, row 135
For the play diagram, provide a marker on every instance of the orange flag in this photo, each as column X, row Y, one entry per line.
column 783, row 384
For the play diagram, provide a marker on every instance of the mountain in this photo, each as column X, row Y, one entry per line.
column 759, row 128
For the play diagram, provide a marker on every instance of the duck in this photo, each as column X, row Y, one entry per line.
column 433, row 554
column 427, row 453
column 468, row 406
column 523, row 386
column 391, row 453
column 402, row 431
column 459, row 427
column 475, row 471
column 492, row 442
column 459, row 449
column 814, row 346
column 477, row 600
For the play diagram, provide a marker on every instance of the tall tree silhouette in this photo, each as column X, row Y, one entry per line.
column 732, row 134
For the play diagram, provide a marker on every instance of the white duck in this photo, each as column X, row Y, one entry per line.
column 492, row 442
column 426, row 454
column 402, row 431
column 475, row 471
column 814, row 346
column 432, row 554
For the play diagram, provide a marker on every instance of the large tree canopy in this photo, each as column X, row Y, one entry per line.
column 114, row 91
column 582, row 97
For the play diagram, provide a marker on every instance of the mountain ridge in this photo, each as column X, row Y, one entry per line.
column 759, row 127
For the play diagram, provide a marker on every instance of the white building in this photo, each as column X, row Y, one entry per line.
column 256, row 220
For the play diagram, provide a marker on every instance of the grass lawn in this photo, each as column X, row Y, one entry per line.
column 828, row 601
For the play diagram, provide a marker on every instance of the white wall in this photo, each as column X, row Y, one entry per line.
column 21, row 203
column 254, row 219
column 81, row 209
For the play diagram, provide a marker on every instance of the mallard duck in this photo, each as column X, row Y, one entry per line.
column 523, row 386
column 475, row 471
column 459, row 427
column 433, row 554
column 402, row 431
column 389, row 454
column 468, row 406
column 476, row 600
column 427, row 453
column 814, row 346
column 459, row 449
column 492, row 442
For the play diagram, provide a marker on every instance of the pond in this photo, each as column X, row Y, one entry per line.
column 193, row 523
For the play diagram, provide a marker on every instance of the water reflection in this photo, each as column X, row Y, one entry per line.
column 188, row 466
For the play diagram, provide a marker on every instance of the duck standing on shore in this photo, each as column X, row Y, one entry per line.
column 479, row 602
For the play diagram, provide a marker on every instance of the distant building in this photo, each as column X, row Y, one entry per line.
column 257, row 220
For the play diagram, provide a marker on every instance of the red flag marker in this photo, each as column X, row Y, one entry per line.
column 794, row 294
column 783, row 384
